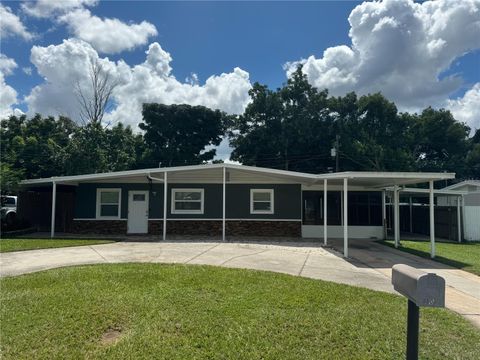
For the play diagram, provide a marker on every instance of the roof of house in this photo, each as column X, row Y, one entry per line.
column 463, row 183
column 361, row 178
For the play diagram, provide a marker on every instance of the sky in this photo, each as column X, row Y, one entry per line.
column 417, row 54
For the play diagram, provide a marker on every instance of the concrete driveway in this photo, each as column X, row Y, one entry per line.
column 369, row 266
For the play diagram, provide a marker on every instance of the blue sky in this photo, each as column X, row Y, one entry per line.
column 211, row 38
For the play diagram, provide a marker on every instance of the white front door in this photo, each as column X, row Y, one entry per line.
column 138, row 212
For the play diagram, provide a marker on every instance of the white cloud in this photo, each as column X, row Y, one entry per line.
column 27, row 70
column 107, row 35
column 400, row 48
column 7, row 65
column 46, row 8
column 11, row 25
column 151, row 81
column 467, row 108
column 8, row 95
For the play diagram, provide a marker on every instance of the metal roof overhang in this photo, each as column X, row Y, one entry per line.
column 381, row 180
column 377, row 180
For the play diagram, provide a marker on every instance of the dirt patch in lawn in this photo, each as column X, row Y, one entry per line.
column 111, row 336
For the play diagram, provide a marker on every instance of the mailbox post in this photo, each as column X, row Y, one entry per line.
column 421, row 289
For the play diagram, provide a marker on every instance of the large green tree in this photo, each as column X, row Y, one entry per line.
column 372, row 135
column 33, row 148
column 441, row 142
column 295, row 127
column 181, row 134
column 45, row 147
column 94, row 148
column 289, row 128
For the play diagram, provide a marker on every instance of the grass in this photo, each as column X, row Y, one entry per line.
column 204, row 312
column 8, row 245
column 465, row 256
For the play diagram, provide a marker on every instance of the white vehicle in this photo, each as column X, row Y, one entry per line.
column 8, row 209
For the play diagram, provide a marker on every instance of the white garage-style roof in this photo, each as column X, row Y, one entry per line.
column 213, row 173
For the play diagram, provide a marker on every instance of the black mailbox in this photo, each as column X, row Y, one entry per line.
column 424, row 289
column 421, row 289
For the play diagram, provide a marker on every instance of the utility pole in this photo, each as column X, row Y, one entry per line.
column 335, row 152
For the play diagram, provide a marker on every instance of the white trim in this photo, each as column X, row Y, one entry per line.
column 345, row 217
column 427, row 191
column 432, row 220
column 190, row 219
column 412, row 176
column 396, row 215
column 150, row 171
column 462, row 183
column 224, row 180
column 172, row 200
column 54, row 203
column 459, row 220
column 95, row 219
column 220, row 219
column 325, row 211
column 272, row 202
column 165, row 196
column 97, row 214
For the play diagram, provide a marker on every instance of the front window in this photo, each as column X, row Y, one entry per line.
column 108, row 203
column 261, row 201
column 187, row 201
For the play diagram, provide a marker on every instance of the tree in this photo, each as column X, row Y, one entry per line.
column 95, row 149
column 441, row 142
column 181, row 134
column 95, row 101
column 289, row 128
column 255, row 135
column 373, row 135
column 33, row 148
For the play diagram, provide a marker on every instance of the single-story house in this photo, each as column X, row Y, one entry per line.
column 222, row 200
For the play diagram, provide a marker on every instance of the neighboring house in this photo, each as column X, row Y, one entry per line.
column 470, row 205
column 217, row 200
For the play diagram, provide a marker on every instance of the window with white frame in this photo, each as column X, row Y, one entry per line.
column 261, row 201
column 187, row 201
column 108, row 203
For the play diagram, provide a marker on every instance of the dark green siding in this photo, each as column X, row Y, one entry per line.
column 287, row 201
column 287, row 198
column 86, row 199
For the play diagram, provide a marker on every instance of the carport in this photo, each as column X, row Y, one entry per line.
column 385, row 181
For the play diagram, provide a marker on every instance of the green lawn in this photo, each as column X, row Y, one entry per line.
column 8, row 245
column 465, row 256
column 202, row 312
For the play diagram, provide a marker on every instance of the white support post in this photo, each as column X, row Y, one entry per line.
column 345, row 217
column 432, row 222
column 464, row 227
column 165, row 201
column 54, row 203
column 396, row 215
column 411, row 213
column 384, row 214
column 459, row 219
column 223, row 202
column 325, row 234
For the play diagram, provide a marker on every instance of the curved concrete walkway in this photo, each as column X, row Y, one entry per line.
column 369, row 265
